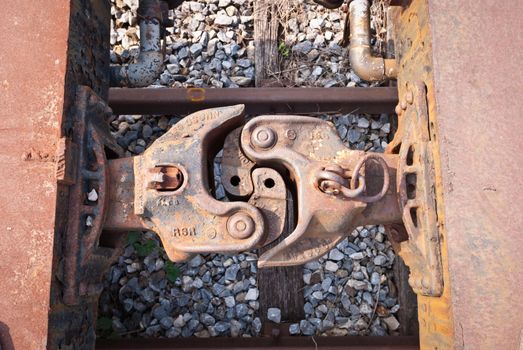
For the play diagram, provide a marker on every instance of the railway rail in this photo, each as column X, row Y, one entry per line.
column 442, row 188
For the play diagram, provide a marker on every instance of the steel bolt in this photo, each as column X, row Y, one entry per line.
column 291, row 134
column 240, row 226
column 263, row 137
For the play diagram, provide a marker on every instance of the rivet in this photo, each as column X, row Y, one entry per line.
column 291, row 134
column 240, row 226
column 263, row 137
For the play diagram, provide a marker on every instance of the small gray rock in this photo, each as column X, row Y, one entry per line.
column 307, row 328
column 308, row 308
column 243, row 62
column 353, row 135
column 230, row 301
column 357, row 256
column 363, row 123
column 222, row 327
column 391, row 322
column 304, row 47
column 166, row 322
column 358, row 285
column 274, row 314
column 207, row 319
column 196, row 49
column 318, row 295
column 241, row 310
column 316, row 23
column 375, row 278
column 294, row 329
column 241, row 81
column 183, row 53
column 331, row 266
column 232, row 272
column 223, row 20
column 197, row 260
column 257, row 325
column 252, row 294
column 380, row 260
column 336, row 255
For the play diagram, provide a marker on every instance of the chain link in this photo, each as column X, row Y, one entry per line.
column 334, row 180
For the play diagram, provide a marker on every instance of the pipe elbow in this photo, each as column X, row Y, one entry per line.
column 143, row 73
column 364, row 64
column 149, row 64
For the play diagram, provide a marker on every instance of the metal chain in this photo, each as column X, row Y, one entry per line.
column 334, row 180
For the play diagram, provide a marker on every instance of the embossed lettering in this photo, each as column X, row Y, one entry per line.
column 184, row 232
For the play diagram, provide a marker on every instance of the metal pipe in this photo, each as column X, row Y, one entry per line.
column 149, row 64
column 256, row 100
column 366, row 66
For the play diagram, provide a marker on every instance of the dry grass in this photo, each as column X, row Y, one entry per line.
column 378, row 23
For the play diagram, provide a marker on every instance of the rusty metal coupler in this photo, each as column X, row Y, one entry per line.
column 169, row 189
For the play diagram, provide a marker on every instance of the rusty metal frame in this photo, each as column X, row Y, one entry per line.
column 256, row 100
column 86, row 169
column 413, row 51
column 413, row 142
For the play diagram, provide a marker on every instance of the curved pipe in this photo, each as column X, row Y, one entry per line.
column 366, row 66
column 149, row 64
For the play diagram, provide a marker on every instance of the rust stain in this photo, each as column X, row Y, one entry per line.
column 196, row 94
column 413, row 51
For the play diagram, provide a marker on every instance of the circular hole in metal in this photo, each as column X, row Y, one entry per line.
column 269, row 183
column 235, row 181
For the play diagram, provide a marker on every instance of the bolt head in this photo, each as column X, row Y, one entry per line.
column 291, row 134
column 263, row 137
column 240, row 226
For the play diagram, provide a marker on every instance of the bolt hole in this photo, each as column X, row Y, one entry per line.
column 269, row 183
column 172, row 178
column 235, row 181
column 411, row 185
column 410, row 156
column 414, row 216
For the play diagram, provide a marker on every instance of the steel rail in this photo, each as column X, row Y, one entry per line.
column 174, row 101
column 263, row 343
